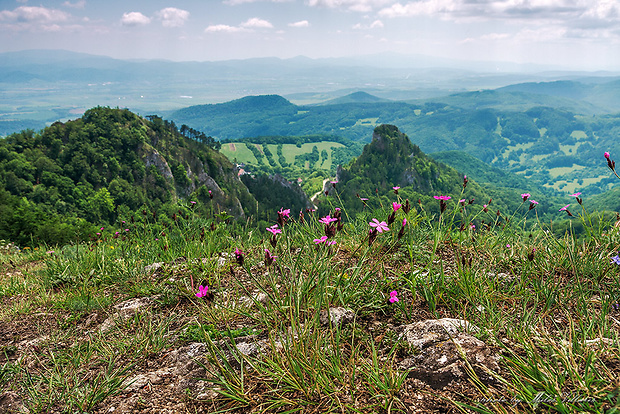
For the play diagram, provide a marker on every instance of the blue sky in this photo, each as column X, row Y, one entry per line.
column 577, row 34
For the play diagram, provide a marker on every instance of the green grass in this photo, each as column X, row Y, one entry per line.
column 558, row 171
column 289, row 151
column 560, row 297
column 516, row 147
column 579, row 135
column 238, row 151
column 575, row 184
column 570, row 149
column 367, row 122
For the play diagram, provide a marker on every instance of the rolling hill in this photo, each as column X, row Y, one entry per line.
column 557, row 147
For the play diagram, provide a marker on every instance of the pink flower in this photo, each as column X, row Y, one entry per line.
column 606, row 155
column 508, row 246
column 396, row 206
column 462, row 201
column 103, row 227
column 575, row 195
column 192, row 202
column 393, row 296
column 239, row 256
column 401, row 233
column 379, row 226
column 330, row 242
column 395, row 188
column 327, row 219
column 564, row 208
column 321, row 240
column 274, row 229
column 363, row 199
column 202, row 291
column 442, row 198
column 472, row 226
column 525, row 196
column 285, row 213
column 269, row 258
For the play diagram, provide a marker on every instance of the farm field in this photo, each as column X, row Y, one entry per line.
column 238, row 151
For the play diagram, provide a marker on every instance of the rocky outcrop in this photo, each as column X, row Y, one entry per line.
column 152, row 157
column 446, row 351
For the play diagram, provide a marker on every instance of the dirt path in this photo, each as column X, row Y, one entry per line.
column 318, row 193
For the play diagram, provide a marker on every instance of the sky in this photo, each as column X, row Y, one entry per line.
column 575, row 34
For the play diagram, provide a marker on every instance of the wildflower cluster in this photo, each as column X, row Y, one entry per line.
column 442, row 202
column 331, row 225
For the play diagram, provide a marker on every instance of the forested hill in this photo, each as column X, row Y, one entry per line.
column 392, row 160
column 60, row 184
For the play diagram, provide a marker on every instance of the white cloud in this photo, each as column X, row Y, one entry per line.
column 423, row 7
column 495, row 36
column 377, row 24
column 172, row 17
column 223, row 28
column 134, row 19
column 362, row 6
column 27, row 14
column 247, row 26
column 540, row 35
column 605, row 10
column 522, row 10
column 302, row 23
column 77, row 5
column 237, row 2
column 256, row 23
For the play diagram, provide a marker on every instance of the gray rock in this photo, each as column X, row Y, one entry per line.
column 336, row 316
column 124, row 311
column 249, row 348
column 424, row 333
column 445, row 350
column 505, row 278
column 11, row 403
column 140, row 381
column 257, row 298
column 153, row 267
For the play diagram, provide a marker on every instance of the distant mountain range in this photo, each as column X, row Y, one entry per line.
column 43, row 86
column 549, row 126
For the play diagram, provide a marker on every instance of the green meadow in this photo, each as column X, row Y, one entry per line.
column 238, row 151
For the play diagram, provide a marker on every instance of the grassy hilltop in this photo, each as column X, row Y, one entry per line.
column 384, row 307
